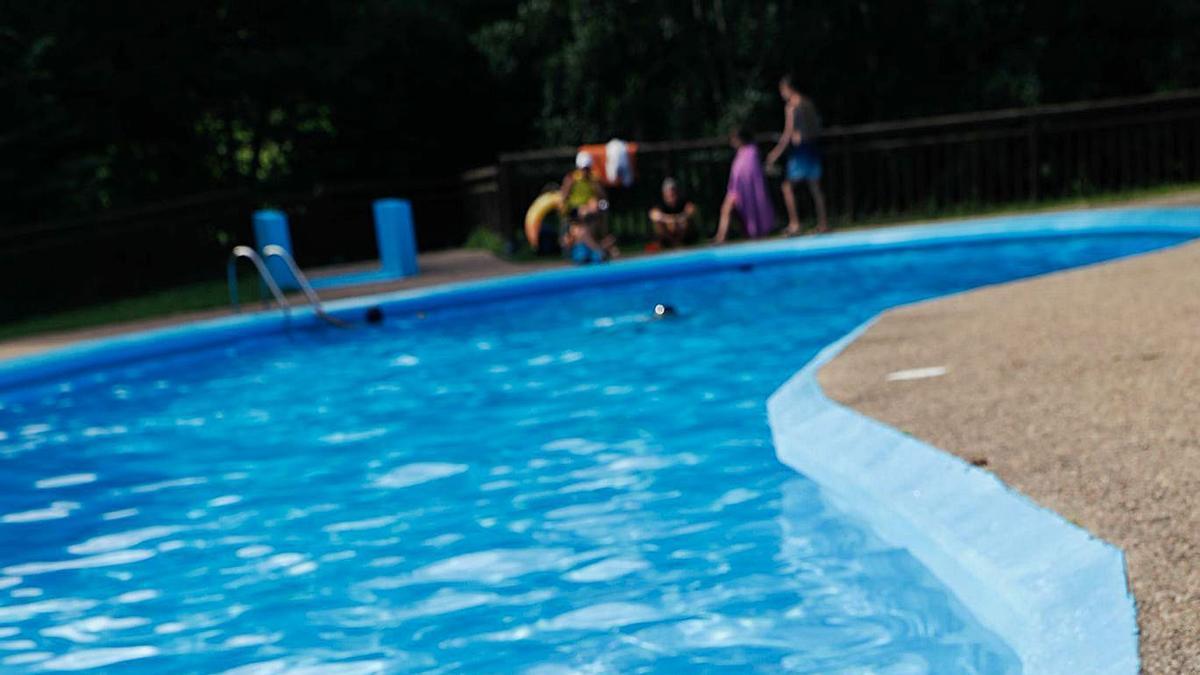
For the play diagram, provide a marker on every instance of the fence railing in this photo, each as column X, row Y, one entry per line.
column 920, row 167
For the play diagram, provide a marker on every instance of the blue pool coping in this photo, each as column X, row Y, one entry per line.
column 1054, row 593
column 1057, row 595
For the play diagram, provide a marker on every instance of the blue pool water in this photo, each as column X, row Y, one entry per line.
column 545, row 485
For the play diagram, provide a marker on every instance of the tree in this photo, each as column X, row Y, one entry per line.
column 118, row 104
column 586, row 70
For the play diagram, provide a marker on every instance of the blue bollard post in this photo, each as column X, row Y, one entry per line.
column 271, row 227
column 395, row 237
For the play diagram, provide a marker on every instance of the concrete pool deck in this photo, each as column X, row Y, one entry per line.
column 438, row 267
column 1080, row 389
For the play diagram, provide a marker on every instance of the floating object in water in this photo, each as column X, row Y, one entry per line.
column 374, row 315
column 662, row 311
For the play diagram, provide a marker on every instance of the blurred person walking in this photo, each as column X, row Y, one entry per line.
column 800, row 140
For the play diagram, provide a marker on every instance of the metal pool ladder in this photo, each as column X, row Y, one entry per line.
column 231, row 273
column 280, row 252
column 269, row 280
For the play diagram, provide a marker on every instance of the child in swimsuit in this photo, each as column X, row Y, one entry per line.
column 580, row 242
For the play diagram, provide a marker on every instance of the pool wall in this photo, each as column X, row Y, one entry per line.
column 1055, row 594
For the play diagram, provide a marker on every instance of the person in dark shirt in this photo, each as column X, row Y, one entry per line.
column 800, row 141
column 672, row 215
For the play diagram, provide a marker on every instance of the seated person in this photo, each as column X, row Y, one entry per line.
column 672, row 215
column 581, row 243
column 582, row 191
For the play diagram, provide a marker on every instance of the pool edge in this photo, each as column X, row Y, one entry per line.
column 1056, row 594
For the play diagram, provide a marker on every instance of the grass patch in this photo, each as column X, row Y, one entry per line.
column 488, row 240
column 189, row 298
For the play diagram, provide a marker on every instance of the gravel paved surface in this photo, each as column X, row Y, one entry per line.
column 1080, row 389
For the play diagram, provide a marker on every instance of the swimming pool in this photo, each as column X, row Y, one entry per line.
column 541, row 483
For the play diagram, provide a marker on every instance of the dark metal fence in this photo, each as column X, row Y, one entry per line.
column 922, row 167
column 65, row 264
column 53, row 266
column 912, row 168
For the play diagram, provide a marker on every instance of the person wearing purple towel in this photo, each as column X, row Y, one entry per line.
column 747, row 191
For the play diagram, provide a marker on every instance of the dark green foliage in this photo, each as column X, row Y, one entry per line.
column 112, row 105
column 116, row 104
column 670, row 69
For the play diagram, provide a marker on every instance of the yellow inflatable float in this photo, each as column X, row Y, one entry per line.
column 544, row 205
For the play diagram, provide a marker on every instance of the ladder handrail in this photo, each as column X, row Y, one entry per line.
column 253, row 257
column 282, row 253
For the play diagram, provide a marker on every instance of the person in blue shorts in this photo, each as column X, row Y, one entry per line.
column 579, row 241
column 801, row 141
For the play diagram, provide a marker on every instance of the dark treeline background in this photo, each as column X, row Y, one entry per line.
column 112, row 105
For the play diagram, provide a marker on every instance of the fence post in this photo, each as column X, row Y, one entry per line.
column 847, row 185
column 504, row 202
column 1034, row 168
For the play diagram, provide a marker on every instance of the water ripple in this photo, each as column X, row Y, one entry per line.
column 417, row 473
column 65, row 481
column 101, row 560
column 86, row 659
column 122, row 540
